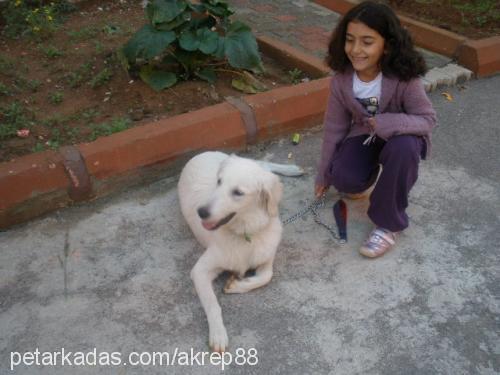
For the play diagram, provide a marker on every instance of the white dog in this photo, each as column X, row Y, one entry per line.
column 231, row 205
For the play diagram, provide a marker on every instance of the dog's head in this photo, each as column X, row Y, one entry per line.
column 245, row 197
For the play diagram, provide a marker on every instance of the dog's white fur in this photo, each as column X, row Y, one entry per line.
column 216, row 186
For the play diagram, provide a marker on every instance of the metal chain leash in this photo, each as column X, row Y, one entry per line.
column 313, row 207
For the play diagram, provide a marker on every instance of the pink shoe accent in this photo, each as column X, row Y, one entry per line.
column 378, row 243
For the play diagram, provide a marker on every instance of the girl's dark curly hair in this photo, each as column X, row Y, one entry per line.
column 400, row 58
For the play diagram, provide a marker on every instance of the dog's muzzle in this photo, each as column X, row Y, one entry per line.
column 209, row 225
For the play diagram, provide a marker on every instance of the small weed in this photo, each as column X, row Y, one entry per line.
column 101, row 78
column 295, row 75
column 99, row 47
column 56, row 97
column 12, row 118
column 5, row 64
column 105, row 129
column 52, row 121
column 33, row 85
column 79, row 76
column 51, row 52
column 55, row 140
column 4, row 89
column 73, row 134
column 111, row 30
column 38, row 147
column 86, row 33
column 90, row 114
column 53, row 144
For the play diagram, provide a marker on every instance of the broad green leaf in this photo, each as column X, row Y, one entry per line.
column 188, row 40
column 157, row 79
column 218, row 8
column 219, row 52
column 206, row 74
column 197, row 8
column 203, row 22
column 204, row 40
column 161, row 11
column 241, row 49
column 241, row 85
column 147, row 43
column 190, row 61
column 252, row 80
column 183, row 18
column 248, row 83
column 209, row 41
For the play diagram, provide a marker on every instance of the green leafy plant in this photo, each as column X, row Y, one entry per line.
column 56, row 97
column 101, row 78
column 51, row 52
column 184, row 40
column 4, row 89
column 295, row 75
column 33, row 85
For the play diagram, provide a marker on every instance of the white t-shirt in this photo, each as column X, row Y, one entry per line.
column 363, row 90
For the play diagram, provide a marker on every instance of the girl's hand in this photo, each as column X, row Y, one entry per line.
column 371, row 123
column 319, row 190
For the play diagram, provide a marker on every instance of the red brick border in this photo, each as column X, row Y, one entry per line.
column 35, row 184
column 287, row 109
column 480, row 56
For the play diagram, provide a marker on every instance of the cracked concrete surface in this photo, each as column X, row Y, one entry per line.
column 430, row 306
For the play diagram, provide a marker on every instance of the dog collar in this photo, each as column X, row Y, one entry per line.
column 247, row 237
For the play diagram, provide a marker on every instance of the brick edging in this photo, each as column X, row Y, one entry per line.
column 42, row 182
column 480, row 56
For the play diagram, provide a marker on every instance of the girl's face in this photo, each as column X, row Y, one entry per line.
column 364, row 47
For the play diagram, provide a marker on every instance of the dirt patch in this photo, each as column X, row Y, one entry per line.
column 474, row 19
column 70, row 88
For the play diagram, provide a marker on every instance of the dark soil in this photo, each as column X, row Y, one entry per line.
column 53, row 96
column 475, row 19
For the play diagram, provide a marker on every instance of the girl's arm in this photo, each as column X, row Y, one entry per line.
column 419, row 117
column 336, row 126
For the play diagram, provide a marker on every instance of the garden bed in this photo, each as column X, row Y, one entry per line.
column 475, row 19
column 70, row 88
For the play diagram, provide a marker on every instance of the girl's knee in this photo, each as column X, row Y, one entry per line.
column 406, row 148
column 348, row 182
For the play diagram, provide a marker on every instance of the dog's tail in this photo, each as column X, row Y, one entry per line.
column 290, row 170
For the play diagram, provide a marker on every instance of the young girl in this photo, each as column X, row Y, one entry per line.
column 377, row 114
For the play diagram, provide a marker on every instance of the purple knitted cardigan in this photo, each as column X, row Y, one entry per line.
column 404, row 108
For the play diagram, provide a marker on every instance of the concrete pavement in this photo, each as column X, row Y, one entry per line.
column 121, row 281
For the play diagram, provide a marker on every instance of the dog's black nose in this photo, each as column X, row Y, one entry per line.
column 203, row 212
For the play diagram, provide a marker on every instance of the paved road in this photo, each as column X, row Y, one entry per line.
column 430, row 306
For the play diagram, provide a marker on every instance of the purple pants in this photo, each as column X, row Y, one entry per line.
column 355, row 167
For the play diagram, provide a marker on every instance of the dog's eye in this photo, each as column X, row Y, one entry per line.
column 219, row 181
column 237, row 193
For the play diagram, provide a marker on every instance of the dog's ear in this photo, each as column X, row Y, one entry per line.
column 272, row 191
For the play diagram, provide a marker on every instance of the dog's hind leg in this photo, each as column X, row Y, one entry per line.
column 289, row 170
column 263, row 275
column 202, row 274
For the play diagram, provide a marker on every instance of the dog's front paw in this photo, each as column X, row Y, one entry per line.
column 217, row 339
column 234, row 285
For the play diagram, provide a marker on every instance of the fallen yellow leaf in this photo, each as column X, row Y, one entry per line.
column 447, row 96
